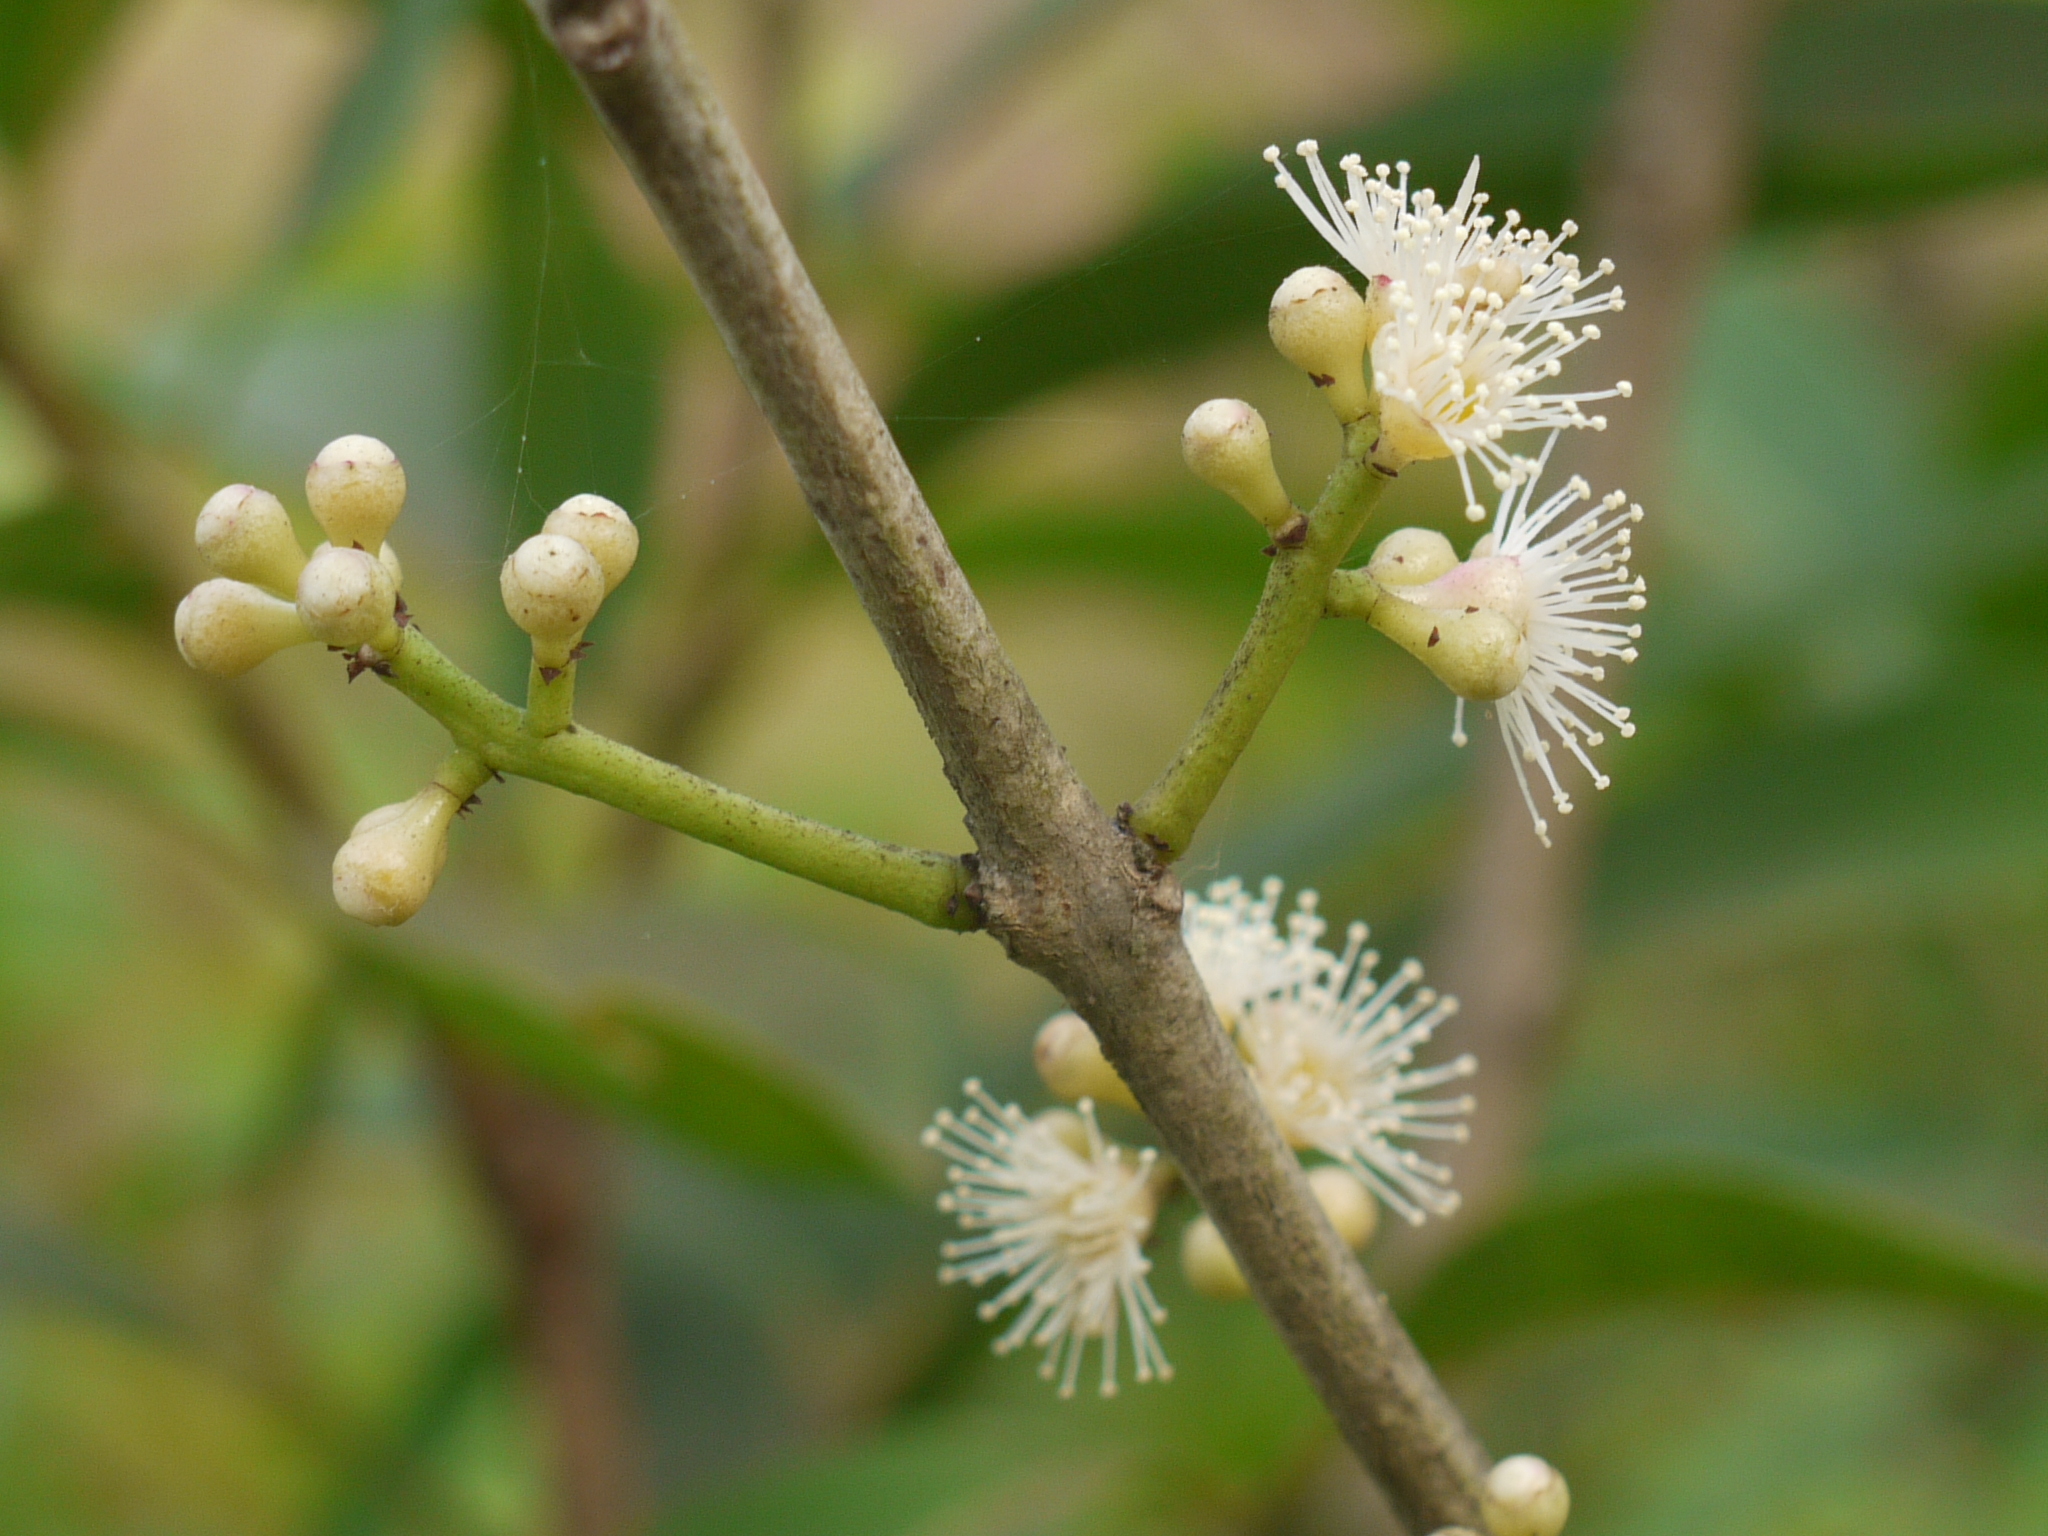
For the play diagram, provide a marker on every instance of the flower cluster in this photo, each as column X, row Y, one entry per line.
column 1063, row 1214
column 1470, row 320
column 269, row 595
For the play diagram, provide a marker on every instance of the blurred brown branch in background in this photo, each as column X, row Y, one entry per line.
column 1669, row 193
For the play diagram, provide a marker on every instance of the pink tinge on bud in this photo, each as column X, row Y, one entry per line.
column 1494, row 583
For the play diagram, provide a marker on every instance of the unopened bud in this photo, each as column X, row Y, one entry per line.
column 1406, row 437
column 226, row 627
column 1347, row 1202
column 603, row 528
column 246, row 534
column 1468, row 626
column 356, row 487
column 1525, row 1496
column 1320, row 324
column 1226, row 444
column 386, row 870
column 552, row 587
column 1069, row 1058
column 1068, row 1128
column 386, row 557
column 1408, row 557
column 347, row 599
column 1206, row 1260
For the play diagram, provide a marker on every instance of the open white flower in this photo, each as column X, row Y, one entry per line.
column 1329, row 1045
column 1573, row 575
column 1475, row 318
column 1063, row 1214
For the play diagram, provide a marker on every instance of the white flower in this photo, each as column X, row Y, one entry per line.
column 1574, row 572
column 1475, row 317
column 1329, row 1046
column 1063, row 1214
column 1238, row 947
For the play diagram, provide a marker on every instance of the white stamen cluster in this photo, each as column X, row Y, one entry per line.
column 1476, row 317
column 1577, row 573
column 1328, row 1044
column 1063, row 1217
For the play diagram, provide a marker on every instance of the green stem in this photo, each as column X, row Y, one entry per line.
column 931, row 887
column 1169, row 813
column 549, row 705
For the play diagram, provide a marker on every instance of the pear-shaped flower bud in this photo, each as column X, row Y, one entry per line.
column 1226, row 444
column 603, row 528
column 1470, row 626
column 226, row 627
column 386, row 557
column 1347, row 1202
column 386, row 870
column 1408, row 557
column 1206, row 1258
column 356, row 488
column 1407, row 438
column 1320, row 324
column 1525, row 1496
column 347, row 599
column 246, row 535
column 552, row 587
column 1069, row 1058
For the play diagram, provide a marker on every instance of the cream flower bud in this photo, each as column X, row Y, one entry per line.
column 226, row 627
column 552, row 587
column 1206, row 1258
column 1226, row 444
column 1069, row 1058
column 356, row 487
column 1470, row 626
column 1408, row 557
column 386, row 870
column 1347, row 1202
column 246, row 535
column 347, row 599
column 603, row 528
column 1320, row 324
column 1525, row 1496
column 388, row 558
column 1406, row 438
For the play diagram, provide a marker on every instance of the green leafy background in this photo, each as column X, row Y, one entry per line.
column 1780, row 1267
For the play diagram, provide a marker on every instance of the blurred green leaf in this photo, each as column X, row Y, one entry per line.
column 1676, row 1229
column 50, row 43
column 1005, row 1455
column 653, row 1066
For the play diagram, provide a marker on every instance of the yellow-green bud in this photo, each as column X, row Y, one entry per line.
column 226, row 627
column 386, row 557
column 1469, row 626
column 1068, row 1128
column 1069, row 1058
column 1525, row 1496
column 347, row 599
column 603, row 528
column 552, row 587
column 1206, row 1260
column 356, row 487
column 1347, row 1202
column 386, row 870
column 1408, row 557
column 1405, row 438
column 246, row 534
column 1226, row 444
column 1320, row 324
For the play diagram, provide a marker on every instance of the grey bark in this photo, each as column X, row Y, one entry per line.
column 1069, row 895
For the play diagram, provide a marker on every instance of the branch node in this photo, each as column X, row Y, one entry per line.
column 601, row 37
